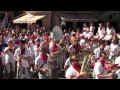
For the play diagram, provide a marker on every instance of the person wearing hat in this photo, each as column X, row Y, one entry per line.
column 73, row 72
column 9, row 61
column 23, row 56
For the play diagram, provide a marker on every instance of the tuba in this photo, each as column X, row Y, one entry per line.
column 87, row 53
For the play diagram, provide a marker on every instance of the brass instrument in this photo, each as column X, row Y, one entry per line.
column 86, row 55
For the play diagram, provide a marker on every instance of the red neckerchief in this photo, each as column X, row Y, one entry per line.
column 38, row 45
column 22, row 51
column 109, row 27
column 44, row 57
column 33, row 41
column 54, row 47
column 100, row 28
column 77, row 68
column 102, row 62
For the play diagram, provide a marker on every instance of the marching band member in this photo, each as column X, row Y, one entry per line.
column 97, row 51
column 55, row 54
column 31, row 45
column 85, row 30
column 101, row 31
column 41, row 63
column 100, row 70
column 23, row 56
column 37, row 48
column 73, row 72
column 109, row 32
column 114, row 50
column 91, row 32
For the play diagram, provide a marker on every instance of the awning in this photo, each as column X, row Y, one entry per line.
column 78, row 18
column 33, row 19
column 28, row 18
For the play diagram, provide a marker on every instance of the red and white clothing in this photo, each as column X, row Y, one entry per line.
column 27, row 53
column 99, row 69
column 109, row 33
column 101, row 32
column 97, row 53
column 9, row 55
column 85, row 31
column 31, row 45
column 91, row 32
column 114, row 49
column 72, row 70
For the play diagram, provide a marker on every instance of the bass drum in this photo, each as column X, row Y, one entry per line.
column 57, row 33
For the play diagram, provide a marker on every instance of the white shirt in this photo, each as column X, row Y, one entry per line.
column 101, row 32
column 110, row 31
column 36, row 52
column 6, row 38
column 9, row 56
column 92, row 28
column 117, row 60
column 39, row 62
column 82, row 41
column 68, row 62
column 32, row 47
column 27, row 54
column 114, row 49
column 72, row 49
column 97, row 53
column 99, row 69
column 71, row 71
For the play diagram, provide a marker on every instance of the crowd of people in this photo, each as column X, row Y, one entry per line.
column 33, row 53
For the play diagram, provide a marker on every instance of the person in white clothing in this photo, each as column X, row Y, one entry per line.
column 100, row 70
column 114, row 50
column 23, row 57
column 9, row 61
column 73, row 72
column 41, row 64
column 67, row 63
column 85, row 30
column 31, row 45
column 101, row 31
column 110, row 31
column 97, row 51
column 91, row 32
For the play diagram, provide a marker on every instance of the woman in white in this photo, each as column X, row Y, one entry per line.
column 101, row 31
column 109, row 32
column 73, row 72
column 100, row 71
column 23, row 56
column 9, row 61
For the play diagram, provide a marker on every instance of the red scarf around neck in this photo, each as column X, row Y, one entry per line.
column 54, row 47
column 102, row 62
column 22, row 51
column 44, row 57
column 77, row 68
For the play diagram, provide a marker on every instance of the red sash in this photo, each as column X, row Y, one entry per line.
column 77, row 68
